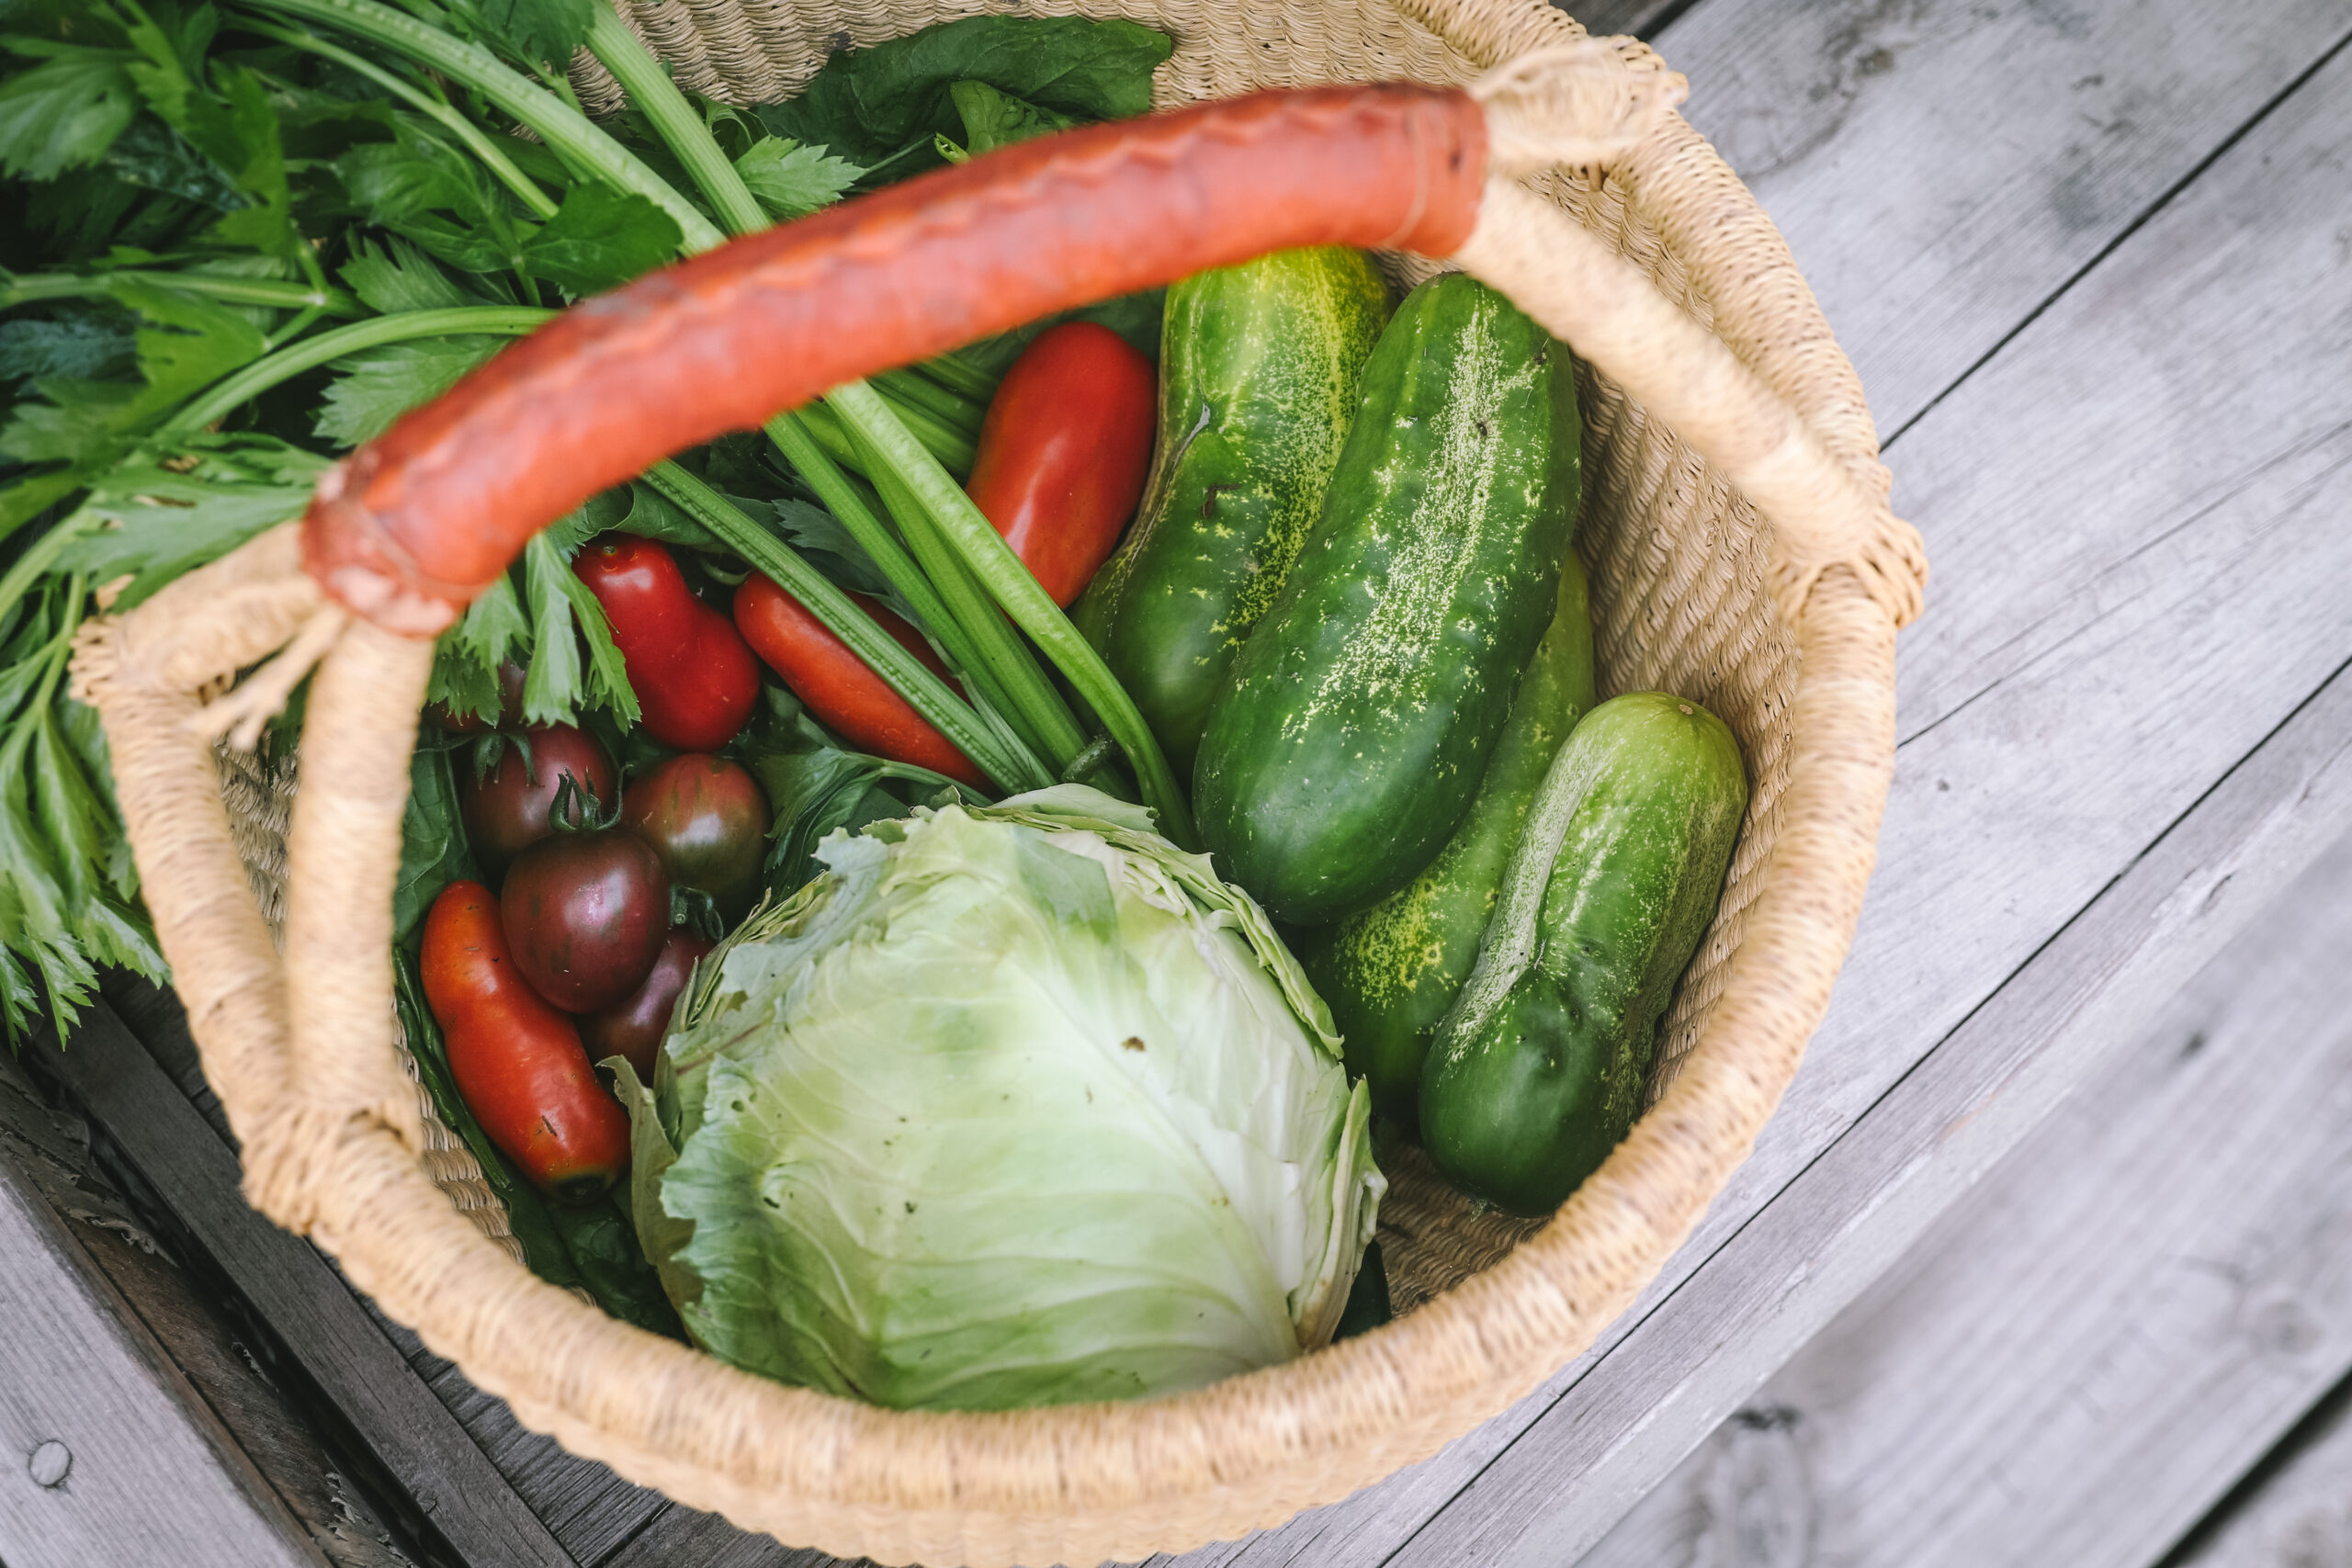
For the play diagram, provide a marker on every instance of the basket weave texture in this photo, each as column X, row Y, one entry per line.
column 1645, row 253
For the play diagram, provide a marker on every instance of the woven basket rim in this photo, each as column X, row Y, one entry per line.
column 1075, row 1482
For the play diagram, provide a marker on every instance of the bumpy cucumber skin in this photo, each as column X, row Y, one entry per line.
column 1259, row 366
column 1363, row 710
column 1391, row 971
column 1538, row 1071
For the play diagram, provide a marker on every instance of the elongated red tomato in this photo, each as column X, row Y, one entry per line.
column 1063, row 452
column 693, row 676
column 519, row 1064
column 844, row 695
column 633, row 1027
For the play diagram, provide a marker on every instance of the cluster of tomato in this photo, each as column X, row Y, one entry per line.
column 570, row 954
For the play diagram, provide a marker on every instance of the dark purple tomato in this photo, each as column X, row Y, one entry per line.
column 508, row 811
column 709, row 819
column 585, row 915
column 633, row 1026
column 510, row 708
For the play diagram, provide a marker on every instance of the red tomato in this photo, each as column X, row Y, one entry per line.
column 633, row 1027
column 1063, row 452
column 585, row 914
column 693, row 676
column 508, row 810
column 843, row 694
column 707, row 819
column 519, row 1064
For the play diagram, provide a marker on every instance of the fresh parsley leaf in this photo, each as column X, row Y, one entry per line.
column 153, row 156
column 398, row 277
column 238, row 130
column 887, row 102
column 65, row 112
column 819, row 534
column 378, row 385
column 556, row 686
column 419, row 186
column 467, row 658
column 599, row 239
column 82, row 346
column 790, row 180
column 155, row 519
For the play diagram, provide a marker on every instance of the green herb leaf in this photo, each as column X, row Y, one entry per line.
column 467, row 658
column 790, row 181
column 433, row 851
column 407, row 184
column 819, row 534
column 993, row 120
column 556, row 686
column 599, row 239
column 378, row 385
column 396, row 277
column 538, row 33
column 158, row 519
column 65, row 112
column 887, row 102
column 153, row 156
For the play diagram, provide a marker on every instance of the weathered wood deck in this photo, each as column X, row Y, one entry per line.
column 2047, row 1256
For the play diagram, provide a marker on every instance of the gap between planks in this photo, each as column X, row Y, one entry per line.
column 2117, row 619
column 2078, row 1359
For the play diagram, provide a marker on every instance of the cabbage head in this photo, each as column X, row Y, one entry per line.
column 1016, row 1105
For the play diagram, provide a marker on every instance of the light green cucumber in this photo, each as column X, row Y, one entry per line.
column 1538, row 1071
column 1390, row 973
column 1360, row 714
column 1259, row 366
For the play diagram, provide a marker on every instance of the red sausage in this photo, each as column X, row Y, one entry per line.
column 694, row 680
column 518, row 1062
column 844, row 695
column 419, row 520
column 1063, row 452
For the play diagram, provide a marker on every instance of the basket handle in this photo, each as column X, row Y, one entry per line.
column 418, row 521
column 411, row 526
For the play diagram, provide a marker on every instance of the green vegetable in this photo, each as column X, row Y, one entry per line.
column 1391, row 971
column 1018, row 1105
column 885, row 107
column 1363, row 708
column 1538, row 1072
column 1258, row 375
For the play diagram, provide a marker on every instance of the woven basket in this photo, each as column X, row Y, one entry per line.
column 1741, row 553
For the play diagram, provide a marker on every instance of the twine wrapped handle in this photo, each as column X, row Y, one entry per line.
column 404, row 534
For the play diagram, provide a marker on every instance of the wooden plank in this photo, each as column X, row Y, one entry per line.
column 2162, row 507
column 1943, row 169
column 107, row 1455
column 590, row 1510
column 2294, row 1510
column 54, row 1149
column 394, row 1420
column 2073, row 1363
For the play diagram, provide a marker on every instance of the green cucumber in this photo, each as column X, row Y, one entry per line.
column 1257, row 371
column 1390, row 973
column 1361, row 714
column 1538, row 1071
